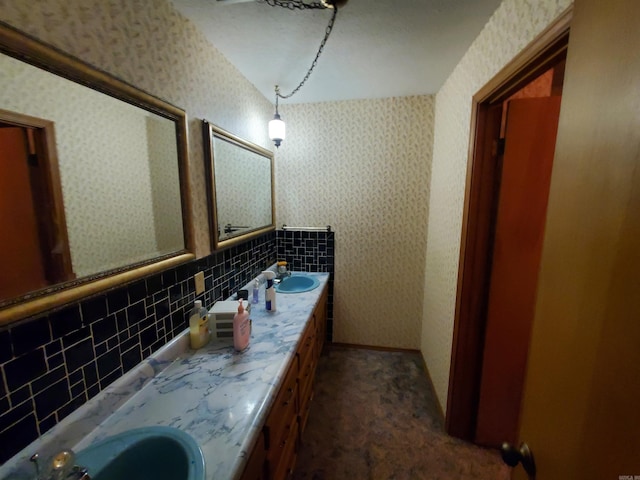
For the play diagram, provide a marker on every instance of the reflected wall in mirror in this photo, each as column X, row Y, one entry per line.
column 239, row 186
column 93, row 171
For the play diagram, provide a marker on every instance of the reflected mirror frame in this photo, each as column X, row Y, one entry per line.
column 23, row 47
column 210, row 132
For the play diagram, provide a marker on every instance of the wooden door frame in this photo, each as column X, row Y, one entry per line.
column 46, row 189
column 482, row 187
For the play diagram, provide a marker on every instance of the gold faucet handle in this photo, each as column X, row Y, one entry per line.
column 62, row 464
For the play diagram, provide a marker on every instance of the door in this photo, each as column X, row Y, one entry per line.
column 580, row 412
column 20, row 251
column 526, row 171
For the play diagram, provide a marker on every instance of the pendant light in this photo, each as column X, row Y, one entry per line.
column 277, row 126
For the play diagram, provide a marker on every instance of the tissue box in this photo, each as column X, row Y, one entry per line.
column 221, row 318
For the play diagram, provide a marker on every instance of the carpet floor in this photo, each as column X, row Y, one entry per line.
column 374, row 416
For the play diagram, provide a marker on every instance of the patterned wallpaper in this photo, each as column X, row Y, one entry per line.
column 150, row 45
column 514, row 24
column 364, row 167
column 102, row 161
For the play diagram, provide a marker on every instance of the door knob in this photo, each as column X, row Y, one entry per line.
column 512, row 456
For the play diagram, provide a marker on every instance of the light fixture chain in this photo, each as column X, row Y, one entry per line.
column 295, row 4
column 302, row 5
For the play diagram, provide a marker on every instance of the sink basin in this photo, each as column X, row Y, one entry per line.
column 297, row 284
column 158, row 453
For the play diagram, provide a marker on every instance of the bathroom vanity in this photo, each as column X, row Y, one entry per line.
column 246, row 411
column 274, row 455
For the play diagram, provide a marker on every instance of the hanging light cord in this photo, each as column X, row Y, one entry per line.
column 296, row 4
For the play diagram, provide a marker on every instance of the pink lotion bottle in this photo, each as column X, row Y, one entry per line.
column 241, row 328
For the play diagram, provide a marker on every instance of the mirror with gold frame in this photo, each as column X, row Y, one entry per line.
column 95, row 185
column 240, row 187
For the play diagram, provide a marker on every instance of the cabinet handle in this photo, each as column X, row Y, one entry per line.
column 288, row 400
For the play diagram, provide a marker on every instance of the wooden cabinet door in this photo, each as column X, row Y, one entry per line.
column 256, row 465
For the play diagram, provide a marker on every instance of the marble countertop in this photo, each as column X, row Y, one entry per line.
column 218, row 396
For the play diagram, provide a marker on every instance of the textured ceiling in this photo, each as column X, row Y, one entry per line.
column 378, row 48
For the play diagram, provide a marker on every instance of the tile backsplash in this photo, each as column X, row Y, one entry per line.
column 310, row 252
column 52, row 364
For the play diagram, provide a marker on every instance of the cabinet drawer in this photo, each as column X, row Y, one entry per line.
column 283, row 409
column 307, row 371
column 308, row 340
column 320, row 317
column 282, row 468
column 305, row 409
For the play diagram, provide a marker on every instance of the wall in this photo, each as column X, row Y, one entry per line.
column 52, row 364
column 363, row 167
column 514, row 24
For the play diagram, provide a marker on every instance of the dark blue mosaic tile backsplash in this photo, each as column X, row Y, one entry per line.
column 310, row 252
column 52, row 364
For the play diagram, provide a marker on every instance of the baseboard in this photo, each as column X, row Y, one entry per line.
column 433, row 389
column 373, row 347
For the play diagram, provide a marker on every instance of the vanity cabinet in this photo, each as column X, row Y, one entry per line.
column 308, row 359
column 309, row 353
column 274, row 455
column 281, row 427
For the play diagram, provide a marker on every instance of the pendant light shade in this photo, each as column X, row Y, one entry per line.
column 277, row 130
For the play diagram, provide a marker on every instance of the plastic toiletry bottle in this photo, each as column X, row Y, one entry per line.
column 199, row 333
column 256, row 291
column 241, row 328
column 270, row 291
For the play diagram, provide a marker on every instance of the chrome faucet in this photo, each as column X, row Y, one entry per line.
column 61, row 467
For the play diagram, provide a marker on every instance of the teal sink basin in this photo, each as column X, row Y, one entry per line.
column 151, row 453
column 297, row 284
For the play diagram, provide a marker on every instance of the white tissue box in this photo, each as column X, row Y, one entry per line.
column 221, row 318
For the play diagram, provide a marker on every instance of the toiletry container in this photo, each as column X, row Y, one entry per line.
column 241, row 328
column 270, row 291
column 199, row 333
column 256, row 291
column 221, row 319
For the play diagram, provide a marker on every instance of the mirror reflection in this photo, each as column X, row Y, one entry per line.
column 240, row 185
column 90, row 183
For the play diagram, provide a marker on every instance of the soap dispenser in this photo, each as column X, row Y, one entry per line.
column 270, row 291
column 199, row 332
column 255, row 298
column 241, row 328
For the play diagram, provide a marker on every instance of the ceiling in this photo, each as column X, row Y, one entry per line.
column 378, row 48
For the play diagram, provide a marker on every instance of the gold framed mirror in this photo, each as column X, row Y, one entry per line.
column 104, row 192
column 240, row 188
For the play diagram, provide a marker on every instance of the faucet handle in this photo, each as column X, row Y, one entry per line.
column 62, row 464
column 61, row 467
column 34, row 459
column 81, row 473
